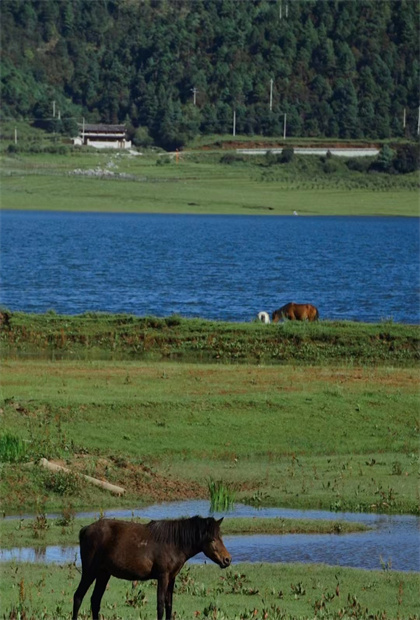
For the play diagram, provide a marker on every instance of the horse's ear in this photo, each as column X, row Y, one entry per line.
column 219, row 522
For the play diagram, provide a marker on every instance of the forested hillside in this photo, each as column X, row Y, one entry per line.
column 345, row 69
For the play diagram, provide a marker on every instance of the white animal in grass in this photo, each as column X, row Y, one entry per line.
column 264, row 317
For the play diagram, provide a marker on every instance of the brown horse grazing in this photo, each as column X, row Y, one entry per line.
column 296, row 312
column 157, row 550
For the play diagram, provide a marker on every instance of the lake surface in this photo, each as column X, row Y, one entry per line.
column 392, row 542
column 213, row 267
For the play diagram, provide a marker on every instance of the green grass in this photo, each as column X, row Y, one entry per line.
column 63, row 530
column 339, row 438
column 245, row 591
column 199, row 183
column 104, row 336
column 222, row 498
column 12, row 448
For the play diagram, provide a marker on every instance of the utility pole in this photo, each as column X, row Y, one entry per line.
column 286, row 12
column 284, row 127
column 404, row 119
column 83, row 131
column 15, row 135
column 194, row 92
column 234, row 123
column 271, row 95
column 54, row 109
column 418, row 123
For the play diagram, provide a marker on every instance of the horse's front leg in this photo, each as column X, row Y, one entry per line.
column 169, row 596
column 162, row 589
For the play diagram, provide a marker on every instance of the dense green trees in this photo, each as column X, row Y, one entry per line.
column 344, row 69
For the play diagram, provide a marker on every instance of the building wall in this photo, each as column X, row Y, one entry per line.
column 104, row 144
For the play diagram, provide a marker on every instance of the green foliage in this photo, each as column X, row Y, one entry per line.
column 407, row 157
column 231, row 158
column 342, row 70
column 142, row 138
column 384, row 160
column 222, row 498
column 61, row 483
column 287, row 155
column 398, row 158
column 12, row 448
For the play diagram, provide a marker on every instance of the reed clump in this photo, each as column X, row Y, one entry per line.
column 222, row 497
column 12, row 448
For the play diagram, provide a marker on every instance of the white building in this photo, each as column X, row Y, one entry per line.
column 102, row 136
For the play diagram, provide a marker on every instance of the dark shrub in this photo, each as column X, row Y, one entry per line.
column 407, row 158
column 164, row 160
column 330, row 166
column 231, row 158
column 383, row 163
column 13, row 148
column 286, row 155
column 359, row 165
column 270, row 158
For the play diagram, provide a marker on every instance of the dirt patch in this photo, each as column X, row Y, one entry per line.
column 139, row 480
column 145, row 483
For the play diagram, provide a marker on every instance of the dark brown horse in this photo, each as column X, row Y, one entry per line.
column 157, row 550
column 296, row 312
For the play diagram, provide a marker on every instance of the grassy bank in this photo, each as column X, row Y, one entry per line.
column 272, row 591
column 329, row 437
column 212, row 182
column 101, row 336
column 63, row 530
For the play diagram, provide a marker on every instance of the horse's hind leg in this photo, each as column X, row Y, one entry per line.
column 84, row 585
column 168, row 599
column 98, row 592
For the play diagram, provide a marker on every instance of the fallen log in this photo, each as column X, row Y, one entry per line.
column 99, row 483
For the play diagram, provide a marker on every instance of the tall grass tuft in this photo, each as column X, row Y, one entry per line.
column 12, row 449
column 221, row 496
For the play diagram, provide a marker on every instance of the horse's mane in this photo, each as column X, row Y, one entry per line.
column 183, row 532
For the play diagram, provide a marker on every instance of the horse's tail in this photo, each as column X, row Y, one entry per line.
column 88, row 540
column 316, row 314
column 82, row 533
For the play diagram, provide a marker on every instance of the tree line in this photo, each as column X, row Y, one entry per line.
column 173, row 69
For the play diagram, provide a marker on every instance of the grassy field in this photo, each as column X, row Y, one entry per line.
column 245, row 591
column 201, row 182
column 335, row 438
column 314, row 415
column 330, row 422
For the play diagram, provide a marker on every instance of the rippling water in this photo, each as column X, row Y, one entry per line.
column 215, row 267
column 393, row 541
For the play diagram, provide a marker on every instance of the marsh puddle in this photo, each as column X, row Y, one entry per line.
column 393, row 541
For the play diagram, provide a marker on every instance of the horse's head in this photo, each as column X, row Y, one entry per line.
column 213, row 546
column 263, row 317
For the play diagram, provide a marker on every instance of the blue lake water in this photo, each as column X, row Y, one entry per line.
column 214, row 267
column 392, row 541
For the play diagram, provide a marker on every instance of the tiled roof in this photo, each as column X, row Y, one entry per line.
column 102, row 128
